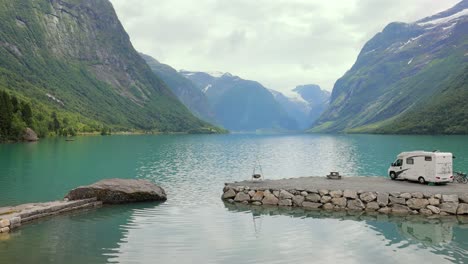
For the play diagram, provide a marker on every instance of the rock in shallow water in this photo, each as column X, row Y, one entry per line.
column 115, row 191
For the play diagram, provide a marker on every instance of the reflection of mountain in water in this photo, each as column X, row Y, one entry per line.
column 444, row 236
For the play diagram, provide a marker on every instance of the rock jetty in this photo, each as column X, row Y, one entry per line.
column 359, row 194
column 109, row 191
column 13, row 217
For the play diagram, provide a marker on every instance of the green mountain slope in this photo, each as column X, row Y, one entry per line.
column 402, row 70
column 75, row 58
column 444, row 113
column 187, row 92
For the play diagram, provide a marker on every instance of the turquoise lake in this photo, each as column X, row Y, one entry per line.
column 194, row 225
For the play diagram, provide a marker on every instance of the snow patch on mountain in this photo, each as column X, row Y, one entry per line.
column 216, row 74
column 206, row 88
column 442, row 20
column 449, row 27
column 296, row 97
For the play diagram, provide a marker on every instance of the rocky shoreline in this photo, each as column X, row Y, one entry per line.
column 423, row 203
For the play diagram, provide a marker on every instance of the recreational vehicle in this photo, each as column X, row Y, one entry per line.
column 423, row 166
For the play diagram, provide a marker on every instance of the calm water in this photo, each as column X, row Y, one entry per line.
column 194, row 225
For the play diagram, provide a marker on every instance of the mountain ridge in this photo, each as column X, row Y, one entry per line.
column 242, row 105
column 399, row 69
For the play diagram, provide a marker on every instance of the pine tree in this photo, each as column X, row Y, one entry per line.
column 15, row 104
column 6, row 115
column 26, row 113
column 55, row 123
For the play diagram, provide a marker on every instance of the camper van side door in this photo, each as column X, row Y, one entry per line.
column 398, row 168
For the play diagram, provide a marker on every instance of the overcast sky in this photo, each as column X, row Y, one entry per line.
column 280, row 43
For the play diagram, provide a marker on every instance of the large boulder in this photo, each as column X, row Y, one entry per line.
column 30, row 135
column 417, row 203
column 242, row 197
column 298, row 200
column 434, row 209
column 341, row 202
column 450, row 208
column 229, row 194
column 463, row 198
column 450, row 198
column 313, row 197
column 382, row 199
column 356, row 205
column 462, row 209
column 400, row 209
column 368, row 197
column 311, row 205
column 396, row 200
column 270, row 199
column 115, row 191
column 258, row 196
column 350, row 194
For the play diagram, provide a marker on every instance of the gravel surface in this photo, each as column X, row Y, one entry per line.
column 370, row 184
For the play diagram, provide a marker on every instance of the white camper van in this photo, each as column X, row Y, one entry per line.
column 423, row 166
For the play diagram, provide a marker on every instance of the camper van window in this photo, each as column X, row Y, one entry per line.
column 410, row 161
column 428, row 158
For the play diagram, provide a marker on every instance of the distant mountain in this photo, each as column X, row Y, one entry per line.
column 187, row 92
column 409, row 78
column 241, row 105
column 305, row 104
column 75, row 58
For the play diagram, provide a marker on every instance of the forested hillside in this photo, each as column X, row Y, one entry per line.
column 74, row 58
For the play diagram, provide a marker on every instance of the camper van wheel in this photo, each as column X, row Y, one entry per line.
column 393, row 175
column 421, row 180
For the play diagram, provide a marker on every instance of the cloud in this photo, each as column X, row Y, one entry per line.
column 280, row 43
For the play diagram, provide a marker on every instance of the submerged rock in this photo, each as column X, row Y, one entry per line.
column 114, row 191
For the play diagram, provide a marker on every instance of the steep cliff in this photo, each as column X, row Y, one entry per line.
column 75, row 57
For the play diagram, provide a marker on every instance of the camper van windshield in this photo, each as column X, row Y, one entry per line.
column 398, row 163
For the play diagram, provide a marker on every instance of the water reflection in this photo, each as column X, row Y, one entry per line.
column 433, row 233
column 86, row 236
column 194, row 225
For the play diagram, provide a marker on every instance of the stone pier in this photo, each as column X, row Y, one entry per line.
column 14, row 217
column 107, row 191
column 371, row 194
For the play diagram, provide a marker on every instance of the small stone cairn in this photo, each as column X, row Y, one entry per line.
column 386, row 203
